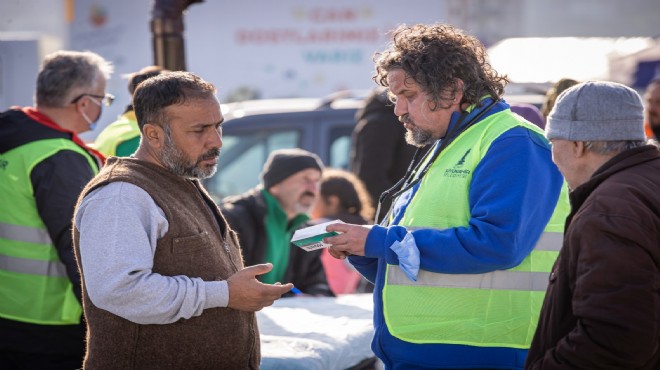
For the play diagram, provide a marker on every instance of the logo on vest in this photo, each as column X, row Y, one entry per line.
column 461, row 161
column 457, row 171
column 3, row 163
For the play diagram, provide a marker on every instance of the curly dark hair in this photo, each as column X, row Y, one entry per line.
column 436, row 57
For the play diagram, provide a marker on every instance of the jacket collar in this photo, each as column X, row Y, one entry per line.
column 618, row 163
column 43, row 119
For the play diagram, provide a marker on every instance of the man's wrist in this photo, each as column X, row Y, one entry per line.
column 217, row 294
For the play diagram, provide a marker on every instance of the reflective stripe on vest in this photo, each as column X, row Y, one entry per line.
column 34, row 235
column 33, row 267
column 496, row 309
column 497, row 280
column 34, row 285
column 24, row 234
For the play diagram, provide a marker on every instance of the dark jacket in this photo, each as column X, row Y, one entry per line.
column 246, row 215
column 602, row 308
column 57, row 182
column 379, row 152
column 197, row 244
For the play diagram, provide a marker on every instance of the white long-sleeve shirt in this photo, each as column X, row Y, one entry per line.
column 119, row 227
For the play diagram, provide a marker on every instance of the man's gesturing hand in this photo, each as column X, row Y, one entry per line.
column 246, row 293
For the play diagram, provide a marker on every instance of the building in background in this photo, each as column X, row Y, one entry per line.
column 289, row 48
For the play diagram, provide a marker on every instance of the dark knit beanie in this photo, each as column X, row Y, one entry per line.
column 286, row 162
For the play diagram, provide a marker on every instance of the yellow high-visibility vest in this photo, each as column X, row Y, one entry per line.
column 34, row 286
column 118, row 132
column 495, row 309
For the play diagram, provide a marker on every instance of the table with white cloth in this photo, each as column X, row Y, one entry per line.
column 316, row 333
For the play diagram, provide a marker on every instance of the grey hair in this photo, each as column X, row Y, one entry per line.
column 67, row 74
column 612, row 147
column 153, row 95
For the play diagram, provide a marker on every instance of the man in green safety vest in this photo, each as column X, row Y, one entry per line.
column 461, row 263
column 43, row 167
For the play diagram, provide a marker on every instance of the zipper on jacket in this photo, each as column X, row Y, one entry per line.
column 210, row 212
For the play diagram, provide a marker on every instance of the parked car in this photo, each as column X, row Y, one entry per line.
column 253, row 129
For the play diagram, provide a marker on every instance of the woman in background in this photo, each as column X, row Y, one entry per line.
column 342, row 196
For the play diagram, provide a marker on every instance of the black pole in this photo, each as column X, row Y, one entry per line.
column 167, row 33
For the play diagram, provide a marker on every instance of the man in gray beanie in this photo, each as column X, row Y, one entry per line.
column 266, row 217
column 602, row 307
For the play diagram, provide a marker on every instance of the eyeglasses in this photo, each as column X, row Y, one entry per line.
column 106, row 99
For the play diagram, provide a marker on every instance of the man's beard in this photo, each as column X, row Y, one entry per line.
column 300, row 207
column 176, row 161
column 418, row 137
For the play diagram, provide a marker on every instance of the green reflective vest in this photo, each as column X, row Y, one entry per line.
column 34, row 286
column 496, row 309
column 117, row 133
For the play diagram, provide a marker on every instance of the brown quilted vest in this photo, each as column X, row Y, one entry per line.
column 220, row 338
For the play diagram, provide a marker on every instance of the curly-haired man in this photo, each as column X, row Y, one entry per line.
column 462, row 261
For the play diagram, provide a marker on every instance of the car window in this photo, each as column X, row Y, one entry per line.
column 242, row 157
column 340, row 147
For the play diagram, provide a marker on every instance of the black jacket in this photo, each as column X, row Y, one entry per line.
column 379, row 152
column 57, row 182
column 246, row 215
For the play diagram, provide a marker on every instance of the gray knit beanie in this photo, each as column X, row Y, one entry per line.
column 286, row 162
column 597, row 111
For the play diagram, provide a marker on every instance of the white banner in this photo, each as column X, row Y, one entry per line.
column 253, row 48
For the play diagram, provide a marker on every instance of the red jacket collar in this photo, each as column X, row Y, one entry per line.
column 46, row 121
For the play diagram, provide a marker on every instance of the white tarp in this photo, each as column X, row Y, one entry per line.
column 316, row 333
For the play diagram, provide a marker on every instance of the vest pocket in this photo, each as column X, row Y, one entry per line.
column 191, row 244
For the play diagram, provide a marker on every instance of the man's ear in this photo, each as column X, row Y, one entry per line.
column 154, row 135
column 578, row 148
column 459, row 92
column 80, row 105
column 274, row 190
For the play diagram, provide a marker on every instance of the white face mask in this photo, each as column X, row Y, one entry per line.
column 92, row 124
